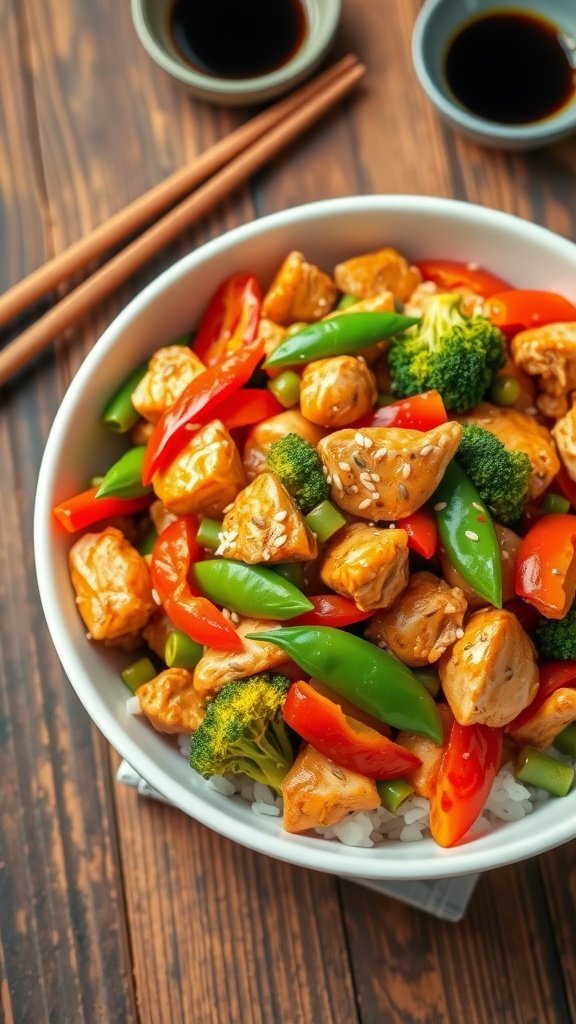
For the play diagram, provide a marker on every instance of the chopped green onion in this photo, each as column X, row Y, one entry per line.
column 505, row 390
column 394, row 792
column 120, row 415
column 181, row 652
column 565, row 741
column 147, row 543
column 291, row 571
column 141, row 671
column 385, row 400
column 286, row 388
column 208, row 535
column 543, row 771
column 325, row 519
column 554, row 503
column 347, row 300
column 429, row 678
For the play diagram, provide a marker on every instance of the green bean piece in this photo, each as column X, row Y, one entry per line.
column 180, row 651
column 293, row 572
column 565, row 741
column 385, row 400
column 504, row 390
column 543, row 771
column 325, row 519
column 555, row 503
column 140, row 672
column 120, row 415
column 346, row 300
column 146, row 545
column 286, row 388
column 124, row 478
column 249, row 590
column 208, row 535
column 429, row 678
column 394, row 792
column 338, row 336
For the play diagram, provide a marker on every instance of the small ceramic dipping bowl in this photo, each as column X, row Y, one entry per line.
column 437, row 26
column 153, row 21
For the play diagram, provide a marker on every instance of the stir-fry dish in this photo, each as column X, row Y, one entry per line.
column 341, row 543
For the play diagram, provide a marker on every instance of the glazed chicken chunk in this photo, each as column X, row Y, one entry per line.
column 564, row 434
column 337, row 391
column 300, row 291
column 272, row 335
column 367, row 564
column 205, row 477
column 490, row 675
column 385, row 270
column 381, row 473
column 169, row 373
column 217, row 667
column 424, row 778
column 425, row 619
column 549, row 353
column 265, row 525
column 318, row 792
column 557, row 711
column 170, row 701
column 263, row 435
column 157, row 630
column 112, row 584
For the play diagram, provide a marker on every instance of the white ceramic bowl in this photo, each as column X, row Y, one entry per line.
column 434, row 28
column 79, row 446
column 151, row 21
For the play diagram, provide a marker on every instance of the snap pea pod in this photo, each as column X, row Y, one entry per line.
column 368, row 676
column 124, row 478
column 120, row 415
column 249, row 589
column 338, row 336
column 467, row 533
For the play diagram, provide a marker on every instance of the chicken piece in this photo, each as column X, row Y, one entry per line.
column 382, row 302
column 170, row 371
column 337, row 391
column 549, row 353
column 564, row 434
column 557, row 711
column 300, row 291
column 426, row 619
column 262, row 437
column 367, row 564
column 472, row 304
column 157, row 630
column 424, row 778
column 490, row 675
column 272, row 335
column 520, row 432
column 161, row 517
column 381, row 473
column 216, row 668
column 205, row 477
column 318, row 792
column 112, row 584
column 508, row 543
column 385, row 270
column 171, row 703
column 265, row 525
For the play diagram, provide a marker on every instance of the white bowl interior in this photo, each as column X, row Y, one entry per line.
column 79, row 447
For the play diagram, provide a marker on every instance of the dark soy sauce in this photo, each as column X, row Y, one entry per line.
column 238, row 38
column 514, row 68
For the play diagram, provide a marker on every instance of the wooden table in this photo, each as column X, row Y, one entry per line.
column 116, row 909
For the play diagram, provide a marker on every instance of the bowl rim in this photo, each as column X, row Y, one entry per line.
column 312, row 853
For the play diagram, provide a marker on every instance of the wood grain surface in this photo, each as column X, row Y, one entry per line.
column 114, row 909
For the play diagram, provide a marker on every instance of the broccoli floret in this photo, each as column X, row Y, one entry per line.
column 556, row 638
column 500, row 475
column 299, row 468
column 243, row 731
column 454, row 354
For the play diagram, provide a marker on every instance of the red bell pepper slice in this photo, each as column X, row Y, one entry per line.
column 344, row 740
column 246, row 407
column 206, row 391
column 553, row 675
column 422, row 412
column 519, row 309
column 451, row 275
column 331, row 610
column 85, row 508
column 566, row 485
column 175, row 549
column 467, row 771
column 546, row 565
column 422, row 532
column 231, row 320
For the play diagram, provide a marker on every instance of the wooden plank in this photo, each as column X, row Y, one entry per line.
column 558, row 869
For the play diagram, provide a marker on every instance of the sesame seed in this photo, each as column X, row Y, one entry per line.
column 226, row 613
column 228, row 507
column 368, row 442
column 324, row 470
column 280, row 516
column 531, row 410
column 471, row 535
column 439, row 506
column 505, row 555
column 352, row 489
column 459, row 633
column 403, row 491
column 364, row 503
column 259, row 521
column 361, row 359
column 374, row 476
column 359, row 438
column 392, row 526
column 406, row 470
column 557, row 572
column 380, row 454
column 477, row 506
column 337, row 481
column 427, row 449
column 156, row 596
column 89, row 636
column 280, row 541
column 232, row 534
column 344, row 466
column 266, row 556
column 235, row 618
column 329, row 478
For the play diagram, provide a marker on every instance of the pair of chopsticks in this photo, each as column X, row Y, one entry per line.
column 222, row 168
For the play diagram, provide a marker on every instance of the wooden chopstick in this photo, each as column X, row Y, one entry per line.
column 158, row 199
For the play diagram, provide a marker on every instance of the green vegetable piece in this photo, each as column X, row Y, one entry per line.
column 291, row 571
column 120, row 415
column 346, row 300
column 146, row 545
column 325, row 519
column 385, row 400
column 543, row 771
column 393, row 793
column 124, row 478
column 555, row 504
column 338, row 336
column 467, row 533
column 286, row 388
column 208, row 535
column 299, row 467
column 140, row 672
column 180, row 651
column 505, row 390
column 454, row 354
column 429, row 679
column 556, row 638
column 243, row 731
column 368, row 676
column 565, row 741
column 249, row 589
column 501, row 476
